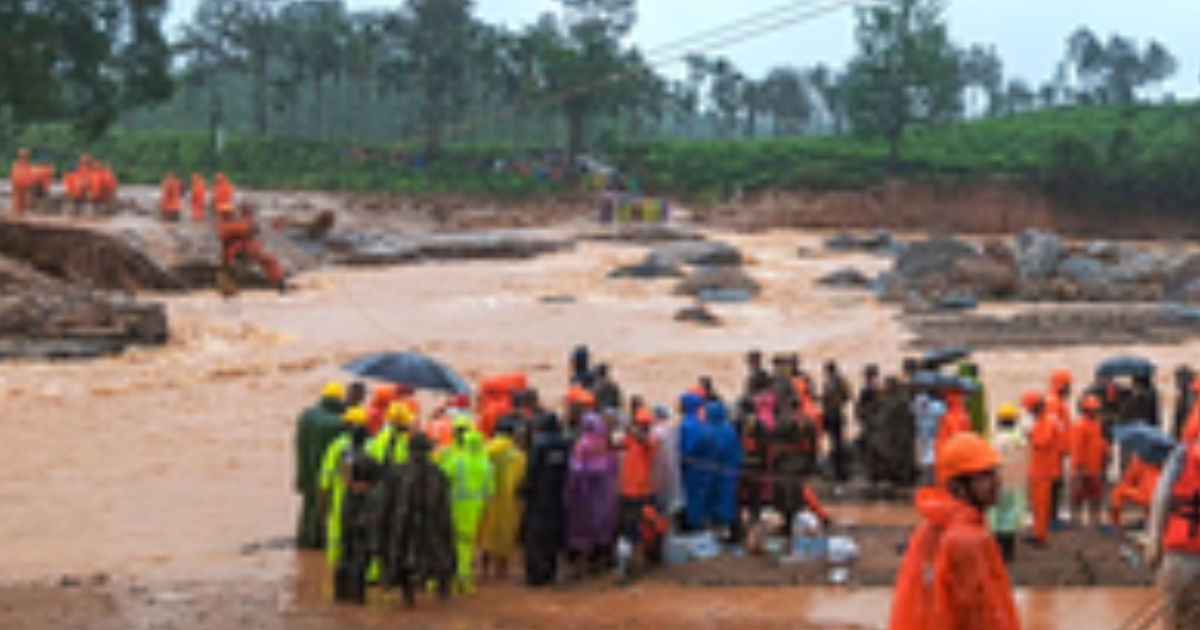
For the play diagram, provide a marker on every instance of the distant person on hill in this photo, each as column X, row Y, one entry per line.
column 953, row 575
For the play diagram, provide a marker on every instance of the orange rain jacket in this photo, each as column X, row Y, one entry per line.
column 953, row 577
column 1089, row 449
column 957, row 419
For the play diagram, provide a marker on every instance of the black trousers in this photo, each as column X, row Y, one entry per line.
column 837, row 449
column 1007, row 542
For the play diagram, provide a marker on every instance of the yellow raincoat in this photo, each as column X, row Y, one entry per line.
column 502, row 518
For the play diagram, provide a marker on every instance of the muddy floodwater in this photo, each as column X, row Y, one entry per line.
column 155, row 489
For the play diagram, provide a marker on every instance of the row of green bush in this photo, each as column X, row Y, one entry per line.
column 1148, row 156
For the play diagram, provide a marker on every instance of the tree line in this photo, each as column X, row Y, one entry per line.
column 428, row 72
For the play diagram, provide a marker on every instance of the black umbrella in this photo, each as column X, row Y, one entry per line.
column 943, row 382
column 943, row 356
column 1126, row 366
column 411, row 368
column 1149, row 443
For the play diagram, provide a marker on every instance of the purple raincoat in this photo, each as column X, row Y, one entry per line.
column 591, row 493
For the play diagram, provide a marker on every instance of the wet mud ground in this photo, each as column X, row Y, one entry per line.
column 151, row 490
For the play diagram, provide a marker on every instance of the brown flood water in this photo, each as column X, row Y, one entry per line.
column 162, row 465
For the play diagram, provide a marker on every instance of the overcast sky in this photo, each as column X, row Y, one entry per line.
column 1030, row 34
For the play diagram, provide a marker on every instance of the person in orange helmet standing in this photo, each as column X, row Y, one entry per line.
column 171, row 200
column 953, row 576
column 1045, row 465
column 20, row 180
column 223, row 196
column 1058, row 406
column 1089, row 456
column 197, row 195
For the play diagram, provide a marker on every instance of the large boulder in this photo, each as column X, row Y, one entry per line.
column 719, row 284
column 695, row 253
column 371, row 249
column 1143, row 267
column 932, row 257
column 986, row 277
column 1037, row 253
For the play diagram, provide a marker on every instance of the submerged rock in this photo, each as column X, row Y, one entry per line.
column 846, row 278
column 695, row 253
column 719, row 284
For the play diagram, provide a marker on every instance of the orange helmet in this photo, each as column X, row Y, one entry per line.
column 1090, row 403
column 1032, row 399
column 644, row 417
column 580, row 396
column 966, row 454
column 1060, row 379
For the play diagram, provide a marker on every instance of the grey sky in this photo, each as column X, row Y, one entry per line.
column 1030, row 34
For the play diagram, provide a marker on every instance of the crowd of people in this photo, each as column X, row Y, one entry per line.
column 411, row 501
column 91, row 185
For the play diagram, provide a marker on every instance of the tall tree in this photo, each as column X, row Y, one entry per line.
column 788, row 101
column 436, row 53
column 238, row 35
column 906, row 72
column 586, row 62
column 81, row 61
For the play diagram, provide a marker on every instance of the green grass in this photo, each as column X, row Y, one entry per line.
column 1150, row 155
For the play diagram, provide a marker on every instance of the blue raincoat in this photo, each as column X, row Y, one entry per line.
column 723, row 504
column 698, row 448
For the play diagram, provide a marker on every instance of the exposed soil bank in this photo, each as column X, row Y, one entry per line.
column 963, row 209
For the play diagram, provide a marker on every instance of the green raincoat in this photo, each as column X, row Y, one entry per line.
column 471, row 485
column 333, row 487
column 1008, row 515
column 316, row 429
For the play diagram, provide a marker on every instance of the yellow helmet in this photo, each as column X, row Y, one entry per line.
column 356, row 416
column 1008, row 411
column 400, row 414
column 333, row 390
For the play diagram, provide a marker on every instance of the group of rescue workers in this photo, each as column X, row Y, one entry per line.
column 93, row 186
column 411, row 501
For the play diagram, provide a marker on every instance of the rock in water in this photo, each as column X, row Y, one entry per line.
column 697, row 314
column 696, row 253
column 846, row 278
column 646, row 270
column 719, row 284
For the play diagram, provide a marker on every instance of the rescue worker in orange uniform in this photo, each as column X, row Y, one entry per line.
column 1089, row 456
column 239, row 239
column 20, row 178
column 223, row 195
column 953, row 577
column 1058, row 406
column 197, row 197
column 1045, row 465
column 956, row 420
column 171, row 202
column 1175, row 538
column 1136, row 486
